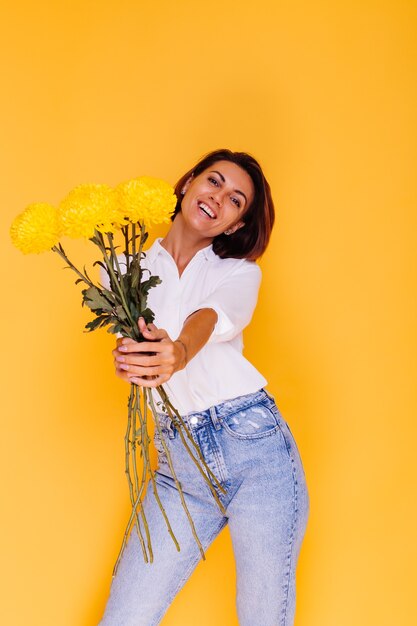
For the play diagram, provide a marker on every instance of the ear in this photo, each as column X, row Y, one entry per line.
column 187, row 184
column 236, row 227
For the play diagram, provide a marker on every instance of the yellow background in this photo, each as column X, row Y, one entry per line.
column 324, row 95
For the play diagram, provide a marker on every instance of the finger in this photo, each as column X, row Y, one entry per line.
column 155, row 334
column 126, row 376
column 150, row 331
column 144, row 328
column 116, row 352
column 141, row 324
column 138, row 370
column 122, row 375
column 161, row 334
column 136, row 359
column 143, row 346
column 124, row 340
column 145, row 382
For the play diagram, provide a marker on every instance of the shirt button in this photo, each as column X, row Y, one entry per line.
column 194, row 420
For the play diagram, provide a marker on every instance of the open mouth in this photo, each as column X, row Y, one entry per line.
column 206, row 209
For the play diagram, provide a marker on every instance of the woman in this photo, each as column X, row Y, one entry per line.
column 221, row 225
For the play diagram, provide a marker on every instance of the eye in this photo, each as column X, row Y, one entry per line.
column 213, row 180
column 236, row 202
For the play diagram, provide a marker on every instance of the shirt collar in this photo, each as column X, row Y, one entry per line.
column 156, row 249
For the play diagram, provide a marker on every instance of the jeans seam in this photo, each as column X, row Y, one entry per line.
column 223, row 480
column 221, row 466
column 267, row 433
column 292, row 536
column 188, row 573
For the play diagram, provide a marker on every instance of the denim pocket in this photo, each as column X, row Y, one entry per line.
column 253, row 422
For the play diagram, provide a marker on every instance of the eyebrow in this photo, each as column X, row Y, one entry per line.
column 224, row 180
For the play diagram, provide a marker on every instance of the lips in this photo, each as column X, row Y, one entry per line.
column 207, row 209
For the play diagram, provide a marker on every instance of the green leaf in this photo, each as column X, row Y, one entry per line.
column 103, row 265
column 98, row 322
column 152, row 281
column 148, row 315
column 121, row 313
column 136, row 272
column 134, row 310
column 111, row 296
column 86, row 275
column 95, row 299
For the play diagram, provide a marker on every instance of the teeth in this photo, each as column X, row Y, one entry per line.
column 206, row 209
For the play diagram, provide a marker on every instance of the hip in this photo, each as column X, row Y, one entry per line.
column 242, row 440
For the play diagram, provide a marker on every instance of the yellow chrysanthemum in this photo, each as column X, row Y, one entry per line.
column 146, row 199
column 89, row 207
column 37, row 229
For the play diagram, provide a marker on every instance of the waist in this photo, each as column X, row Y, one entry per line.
column 216, row 413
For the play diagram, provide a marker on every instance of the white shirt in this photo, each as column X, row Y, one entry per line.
column 219, row 371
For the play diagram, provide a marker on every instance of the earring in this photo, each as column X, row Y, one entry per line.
column 229, row 231
column 182, row 192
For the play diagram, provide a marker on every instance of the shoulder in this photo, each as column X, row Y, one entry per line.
column 235, row 267
column 233, row 276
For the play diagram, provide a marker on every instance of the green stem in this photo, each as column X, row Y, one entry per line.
column 135, row 501
column 180, row 491
column 155, row 490
column 139, row 490
column 113, row 253
column 182, row 426
column 141, row 242
column 133, row 497
column 125, row 232
column 133, row 240
column 109, row 265
column 71, row 265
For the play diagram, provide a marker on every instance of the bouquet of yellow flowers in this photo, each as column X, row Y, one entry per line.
column 96, row 212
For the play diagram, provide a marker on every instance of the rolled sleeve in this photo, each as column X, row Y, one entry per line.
column 234, row 300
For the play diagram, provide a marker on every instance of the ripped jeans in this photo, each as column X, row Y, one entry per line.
column 250, row 449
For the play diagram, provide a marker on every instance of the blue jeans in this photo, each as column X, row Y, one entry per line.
column 250, row 449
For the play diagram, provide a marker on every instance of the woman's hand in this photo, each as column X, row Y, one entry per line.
column 134, row 364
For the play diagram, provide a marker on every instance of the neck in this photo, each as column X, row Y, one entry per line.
column 183, row 244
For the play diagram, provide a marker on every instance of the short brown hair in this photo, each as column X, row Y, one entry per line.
column 250, row 241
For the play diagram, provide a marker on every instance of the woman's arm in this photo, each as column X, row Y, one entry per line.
column 168, row 356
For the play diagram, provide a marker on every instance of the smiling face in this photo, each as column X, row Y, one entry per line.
column 215, row 200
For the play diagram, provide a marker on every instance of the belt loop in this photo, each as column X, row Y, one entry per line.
column 171, row 430
column 167, row 424
column 214, row 418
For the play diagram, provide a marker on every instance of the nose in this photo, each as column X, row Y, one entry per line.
column 216, row 197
